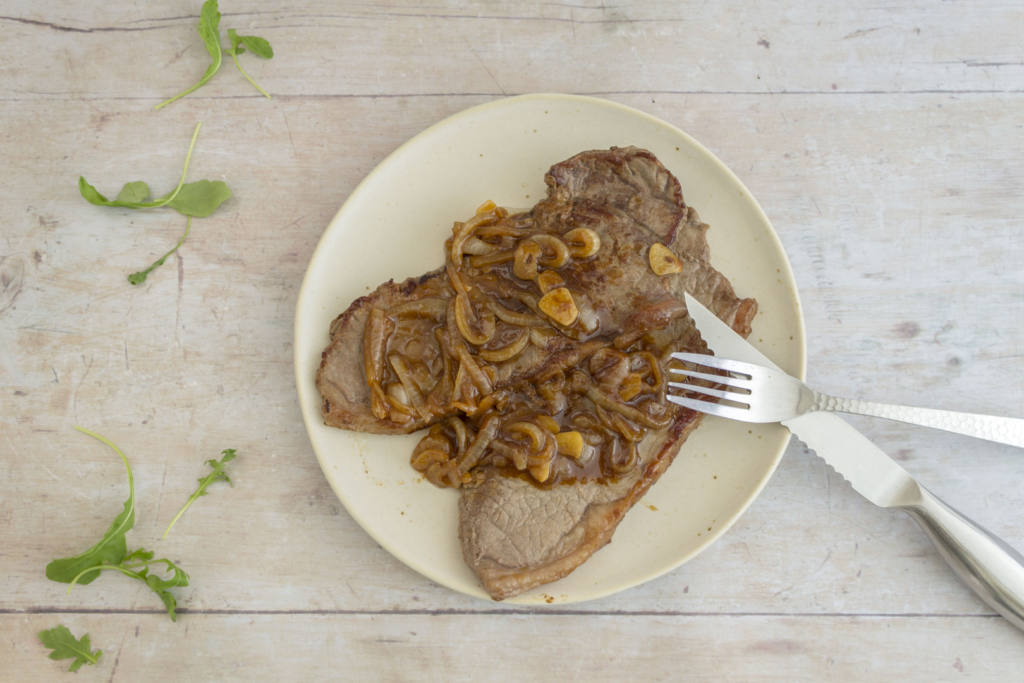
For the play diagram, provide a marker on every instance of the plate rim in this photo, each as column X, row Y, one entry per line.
column 382, row 167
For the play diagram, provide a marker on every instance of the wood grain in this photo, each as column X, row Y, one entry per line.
column 897, row 195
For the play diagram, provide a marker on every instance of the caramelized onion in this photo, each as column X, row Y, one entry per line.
column 609, row 367
column 515, row 317
column 632, row 456
column 492, row 259
column 463, row 232
column 516, row 454
column 475, row 246
column 422, row 461
column 531, row 431
column 556, row 253
column 432, row 309
column 477, row 330
column 461, row 433
column 608, row 403
column 374, row 340
column 475, row 450
column 401, row 369
column 617, row 423
column 507, row 227
column 507, row 352
column 477, row 376
column 587, row 315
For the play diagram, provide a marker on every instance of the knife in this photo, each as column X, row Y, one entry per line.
column 989, row 566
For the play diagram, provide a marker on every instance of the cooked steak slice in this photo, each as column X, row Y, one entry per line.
column 625, row 195
column 341, row 378
column 516, row 536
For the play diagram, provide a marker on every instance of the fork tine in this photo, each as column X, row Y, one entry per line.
column 717, row 379
column 727, row 395
column 711, row 408
column 720, row 363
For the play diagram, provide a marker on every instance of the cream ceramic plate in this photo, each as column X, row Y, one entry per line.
column 393, row 225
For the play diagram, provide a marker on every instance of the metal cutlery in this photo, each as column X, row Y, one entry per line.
column 769, row 395
column 989, row 566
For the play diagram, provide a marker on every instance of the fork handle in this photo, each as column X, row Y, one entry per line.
column 991, row 568
column 1008, row 430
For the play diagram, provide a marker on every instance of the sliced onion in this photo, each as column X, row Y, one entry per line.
column 374, row 339
column 401, row 369
column 475, row 450
column 422, row 308
column 465, row 231
column 607, row 402
column 556, row 253
column 587, row 315
column 477, row 247
column 507, row 352
column 541, row 338
column 477, row 331
column 494, row 259
column 531, row 431
column 515, row 317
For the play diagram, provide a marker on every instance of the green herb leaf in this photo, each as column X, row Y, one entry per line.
column 112, row 547
column 134, row 192
column 258, row 46
column 209, row 30
column 155, row 583
column 198, row 199
column 65, row 646
column 218, row 474
column 140, row 277
column 140, row 554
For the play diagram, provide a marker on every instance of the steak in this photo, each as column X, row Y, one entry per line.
column 515, row 534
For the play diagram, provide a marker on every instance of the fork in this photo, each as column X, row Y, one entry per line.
column 769, row 395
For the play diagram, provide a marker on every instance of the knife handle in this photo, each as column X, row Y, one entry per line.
column 992, row 569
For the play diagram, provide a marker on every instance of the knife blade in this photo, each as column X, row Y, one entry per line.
column 990, row 567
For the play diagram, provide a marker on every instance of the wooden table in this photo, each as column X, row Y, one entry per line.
column 885, row 144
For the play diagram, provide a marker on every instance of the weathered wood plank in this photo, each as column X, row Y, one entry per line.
column 530, row 647
column 504, row 47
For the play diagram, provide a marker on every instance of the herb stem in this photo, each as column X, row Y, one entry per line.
column 140, row 277
column 118, row 567
column 235, row 57
column 170, row 198
column 180, row 513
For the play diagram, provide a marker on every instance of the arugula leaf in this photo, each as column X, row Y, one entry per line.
column 198, row 199
column 111, row 549
column 140, row 277
column 209, row 31
column 140, row 554
column 112, row 553
column 159, row 586
column 65, row 646
column 258, row 46
column 133, row 192
column 218, row 474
